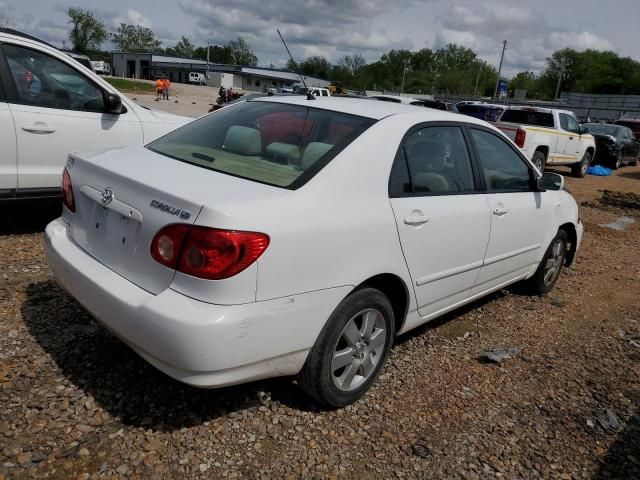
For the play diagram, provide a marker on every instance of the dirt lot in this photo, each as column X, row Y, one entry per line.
column 77, row 403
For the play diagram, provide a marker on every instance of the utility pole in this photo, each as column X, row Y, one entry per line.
column 207, row 59
column 559, row 80
column 504, row 47
column 404, row 71
column 475, row 89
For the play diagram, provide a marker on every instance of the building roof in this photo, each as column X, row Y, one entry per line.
column 168, row 59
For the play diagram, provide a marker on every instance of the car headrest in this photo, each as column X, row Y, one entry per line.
column 313, row 152
column 243, row 140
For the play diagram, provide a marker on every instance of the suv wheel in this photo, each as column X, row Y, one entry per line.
column 351, row 349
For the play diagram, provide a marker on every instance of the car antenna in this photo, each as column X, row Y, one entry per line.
column 309, row 94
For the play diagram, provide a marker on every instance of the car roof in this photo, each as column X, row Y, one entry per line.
column 366, row 108
column 4, row 31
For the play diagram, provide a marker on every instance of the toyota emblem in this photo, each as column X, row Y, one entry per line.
column 107, row 196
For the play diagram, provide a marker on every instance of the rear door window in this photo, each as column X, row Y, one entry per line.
column 268, row 142
column 432, row 160
column 527, row 117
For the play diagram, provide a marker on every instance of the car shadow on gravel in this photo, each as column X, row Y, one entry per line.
column 635, row 175
column 623, row 457
column 27, row 216
column 133, row 392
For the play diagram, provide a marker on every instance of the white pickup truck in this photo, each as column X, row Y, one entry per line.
column 549, row 137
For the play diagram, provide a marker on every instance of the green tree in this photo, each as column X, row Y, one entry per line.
column 315, row 66
column 184, row 48
column 352, row 63
column 241, row 53
column 135, row 38
column 87, row 32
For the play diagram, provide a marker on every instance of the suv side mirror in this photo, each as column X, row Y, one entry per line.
column 112, row 103
column 550, row 181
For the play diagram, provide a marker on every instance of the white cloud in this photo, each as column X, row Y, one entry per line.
column 133, row 17
column 531, row 38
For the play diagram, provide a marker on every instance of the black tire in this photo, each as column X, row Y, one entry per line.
column 636, row 161
column 579, row 170
column 318, row 379
column 539, row 160
column 617, row 163
column 538, row 284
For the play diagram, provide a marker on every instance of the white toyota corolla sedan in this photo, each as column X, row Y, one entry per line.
column 286, row 236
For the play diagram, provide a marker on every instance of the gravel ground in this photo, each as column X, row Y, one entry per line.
column 77, row 403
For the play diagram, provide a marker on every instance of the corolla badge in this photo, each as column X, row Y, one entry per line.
column 107, row 196
column 165, row 207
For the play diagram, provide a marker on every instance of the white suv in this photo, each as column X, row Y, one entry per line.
column 50, row 105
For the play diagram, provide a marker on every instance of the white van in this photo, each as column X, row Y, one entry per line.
column 197, row 78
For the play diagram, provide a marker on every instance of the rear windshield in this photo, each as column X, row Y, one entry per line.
column 268, row 142
column 634, row 126
column 602, row 129
column 527, row 117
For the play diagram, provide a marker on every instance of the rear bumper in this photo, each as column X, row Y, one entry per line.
column 198, row 343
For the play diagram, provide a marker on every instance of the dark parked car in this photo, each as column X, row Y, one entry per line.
column 440, row 105
column 615, row 144
column 483, row 111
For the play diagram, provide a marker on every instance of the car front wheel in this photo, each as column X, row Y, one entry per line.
column 351, row 349
column 550, row 267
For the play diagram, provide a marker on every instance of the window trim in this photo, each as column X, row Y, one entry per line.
column 516, row 150
column 6, row 78
column 475, row 172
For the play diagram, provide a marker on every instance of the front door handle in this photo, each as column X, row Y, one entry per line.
column 570, row 138
column 416, row 220
column 38, row 127
column 500, row 211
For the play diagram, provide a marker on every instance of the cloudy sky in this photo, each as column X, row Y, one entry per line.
column 370, row 27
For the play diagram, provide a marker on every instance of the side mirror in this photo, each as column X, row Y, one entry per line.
column 583, row 130
column 112, row 103
column 550, row 181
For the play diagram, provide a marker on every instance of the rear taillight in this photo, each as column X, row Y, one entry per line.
column 521, row 136
column 208, row 253
column 68, row 199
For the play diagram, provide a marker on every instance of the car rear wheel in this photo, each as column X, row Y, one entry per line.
column 579, row 169
column 351, row 349
column 550, row 267
column 539, row 161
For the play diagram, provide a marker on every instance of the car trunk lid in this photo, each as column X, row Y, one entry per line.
column 125, row 196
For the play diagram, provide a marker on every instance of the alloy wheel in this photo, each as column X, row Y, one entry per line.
column 359, row 349
column 554, row 262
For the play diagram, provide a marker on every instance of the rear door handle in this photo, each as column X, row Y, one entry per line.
column 570, row 138
column 38, row 127
column 500, row 211
column 416, row 220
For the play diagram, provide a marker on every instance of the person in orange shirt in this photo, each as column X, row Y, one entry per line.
column 165, row 90
column 159, row 88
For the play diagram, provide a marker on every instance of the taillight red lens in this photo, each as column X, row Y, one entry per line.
column 208, row 253
column 521, row 136
column 68, row 199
